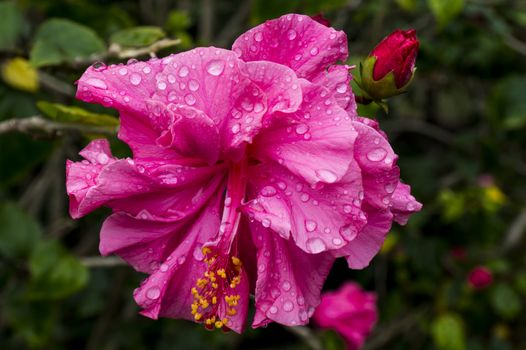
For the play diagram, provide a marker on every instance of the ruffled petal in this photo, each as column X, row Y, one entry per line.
column 377, row 161
column 315, row 142
column 136, row 187
column 296, row 41
column 360, row 251
column 322, row 218
column 289, row 280
column 337, row 80
column 404, row 204
column 280, row 84
column 209, row 79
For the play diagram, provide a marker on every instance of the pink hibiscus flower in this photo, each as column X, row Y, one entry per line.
column 349, row 311
column 251, row 172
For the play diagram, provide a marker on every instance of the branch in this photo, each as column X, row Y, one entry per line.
column 308, row 337
column 39, row 125
column 99, row 261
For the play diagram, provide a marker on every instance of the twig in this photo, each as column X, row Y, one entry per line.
column 120, row 52
column 39, row 125
column 50, row 82
column 306, row 334
column 99, row 261
column 516, row 231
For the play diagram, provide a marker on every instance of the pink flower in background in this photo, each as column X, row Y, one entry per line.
column 480, row 277
column 251, row 173
column 349, row 311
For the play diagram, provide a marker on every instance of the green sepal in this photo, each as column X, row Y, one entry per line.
column 378, row 90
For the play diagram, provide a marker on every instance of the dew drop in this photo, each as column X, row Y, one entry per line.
column 193, row 85
column 123, row 71
column 97, row 83
column 146, row 70
column 336, row 241
column 301, row 129
column 153, row 293
column 268, row 191
column 265, row 223
column 301, row 300
column 389, row 188
column 183, row 72
column 376, row 155
column 258, row 37
column 347, row 208
column 310, row 225
column 288, row 306
column 135, row 79
column 315, row 245
column 161, row 85
column 341, row 88
column 326, row 176
column 348, row 233
column 215, row 67
column 103, row 158
column 189, row 99
column 163, row 267
column 273, row 309
column 291, row 34
column 304, row 197
column 235, row 128
column 286, row 286
column 314, row 51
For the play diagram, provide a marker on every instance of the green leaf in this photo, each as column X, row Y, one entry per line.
column 448, row 332
column 505, row 301
column 18, row 232
column 54, row 272
column 138, row 36
column 445, row 10
column 407, row 5
column 11, row 25
column 73, row 114
column 177, row 21
column 60, row 40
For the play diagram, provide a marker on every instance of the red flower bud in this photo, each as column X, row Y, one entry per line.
column 480, row 277
column 396, row 53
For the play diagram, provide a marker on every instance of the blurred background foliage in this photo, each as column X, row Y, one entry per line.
column 460, row 132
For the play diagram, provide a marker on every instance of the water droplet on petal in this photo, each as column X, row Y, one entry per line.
column 348, row 233
column 135, row 79
column 273, row 309
column 377, row 154
column 163, row 267
column 215, row 67
column 189, row 99
column 314, row 51
column 146, row 70
column 235, row 128
column 193, row 85
column 161, row 85
column 265, row 222
column 301, row 129
column 183, row 72
column 326, row 176
column 341, row 88
column 103, row 158
column 389, row 188
column 315, row 245
column 347, row 208
column 288, row 306
column 97, row 83
column 301, row 300
column 336, row 241
column 304, row 197
column 310, row 225
column 291, row 34
column 153, row 293
column 268, row 191
column 286, row 286
column 258, row 37
column 123, row 71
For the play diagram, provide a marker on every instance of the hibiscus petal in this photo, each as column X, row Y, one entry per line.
column 314, row 142
column 337, row 80
column 279, row 83
column 321, row 218
column 192, row 135
column 296, row 41
column 289, row 280
column 404, row 204
column 170, row 191
column 360, row 251
column 209, row 79
column 378, row 163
